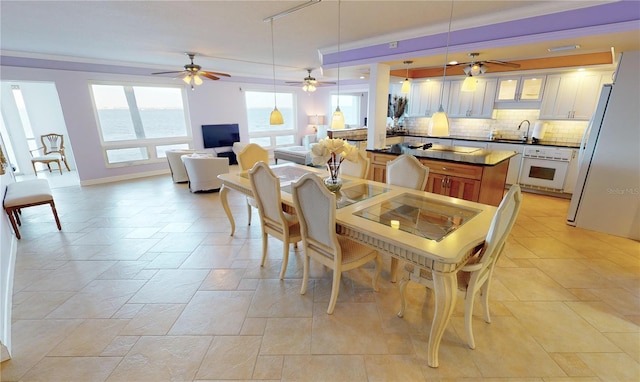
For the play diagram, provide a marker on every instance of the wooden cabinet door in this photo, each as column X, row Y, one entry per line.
column 379, row 172
column 437, row 184
column 462, row 188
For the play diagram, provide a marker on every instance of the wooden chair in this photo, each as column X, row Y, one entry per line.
column 476, row 274
column 247, row 157
column 53, row 151
column 275, row 222
column 358, row 169
column 406, row 171
column 316, row 209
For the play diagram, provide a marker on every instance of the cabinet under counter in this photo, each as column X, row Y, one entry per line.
column 468, row 173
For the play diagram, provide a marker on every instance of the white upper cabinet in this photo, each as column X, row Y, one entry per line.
column 424, row 99
column 572, row 96
column 520, row 89
column 476, row 104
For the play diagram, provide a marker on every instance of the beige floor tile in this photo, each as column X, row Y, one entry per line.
column 230, row 358
column 393, row 368
column 170, row 286
column 89, row 339
column 213, row 313
column 565, row 302
column 287, row 336
column 153, row 320
column 268, row 367
column 612, row 366
column 100, row 299
column 324, row 368
column 162, row 359
column 72, row 369
column 558, row 328
column 276, row 298
column 222, row 279
column 340, row 332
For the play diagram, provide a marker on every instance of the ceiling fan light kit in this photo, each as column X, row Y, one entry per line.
column 469, row 84
column 192, row 73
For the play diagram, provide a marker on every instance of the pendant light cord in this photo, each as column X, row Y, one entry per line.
column 338, row 101
column 273, row 61
column 446, row 55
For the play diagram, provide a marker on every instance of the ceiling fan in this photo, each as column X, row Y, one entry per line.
column 475, row 68
column 309, row 83
column 192, row 73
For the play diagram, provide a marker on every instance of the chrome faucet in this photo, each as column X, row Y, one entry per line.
column 525, row 136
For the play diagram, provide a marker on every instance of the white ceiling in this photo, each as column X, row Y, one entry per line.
column 231, row 36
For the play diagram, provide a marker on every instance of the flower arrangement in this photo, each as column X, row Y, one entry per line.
column 333, row 151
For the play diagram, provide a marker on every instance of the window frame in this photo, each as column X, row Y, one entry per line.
column 276, row 131
column 151, row 144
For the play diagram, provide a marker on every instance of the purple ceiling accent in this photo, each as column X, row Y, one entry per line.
column 611, row 13
column 26, row 62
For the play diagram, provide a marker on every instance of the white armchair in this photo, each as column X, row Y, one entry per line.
column 203, row 171
column 178, row 172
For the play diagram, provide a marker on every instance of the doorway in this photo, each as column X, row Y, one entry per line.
column 31, row 109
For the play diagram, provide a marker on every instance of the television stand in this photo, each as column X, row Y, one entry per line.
column 228, row 154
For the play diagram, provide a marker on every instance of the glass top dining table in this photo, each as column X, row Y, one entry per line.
column 434, row 232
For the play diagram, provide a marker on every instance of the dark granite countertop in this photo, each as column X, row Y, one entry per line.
column 497, row 140
column 466, row 155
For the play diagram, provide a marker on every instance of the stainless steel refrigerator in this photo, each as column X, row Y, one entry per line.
column 607, row 193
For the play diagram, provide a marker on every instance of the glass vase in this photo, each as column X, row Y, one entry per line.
column 333, row 184
column 333, row 181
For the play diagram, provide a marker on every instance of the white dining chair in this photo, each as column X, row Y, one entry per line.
column 407, row 171
column 476, row 274
column 358, row 168
column 275, row 222
column 247, row 157
column 316, row 209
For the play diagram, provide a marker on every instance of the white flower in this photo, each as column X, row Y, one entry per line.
column 328, row 149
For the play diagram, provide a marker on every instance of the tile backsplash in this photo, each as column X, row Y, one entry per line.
column 505, row 122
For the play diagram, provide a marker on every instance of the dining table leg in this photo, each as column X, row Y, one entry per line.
column 225, row 204
column 445, row 286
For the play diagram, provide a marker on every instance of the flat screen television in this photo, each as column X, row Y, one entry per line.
column 220, row 135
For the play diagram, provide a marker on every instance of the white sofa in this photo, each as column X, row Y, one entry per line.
column 297, row 154
column 203, row 171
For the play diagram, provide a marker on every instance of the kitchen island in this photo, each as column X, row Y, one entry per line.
column 468, row 173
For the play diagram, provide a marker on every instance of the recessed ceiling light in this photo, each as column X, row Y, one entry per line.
column 453, row 62
column 561, row 48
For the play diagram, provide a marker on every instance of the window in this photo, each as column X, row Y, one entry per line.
column 259, row 108
column 139, row 123
column 350, row 107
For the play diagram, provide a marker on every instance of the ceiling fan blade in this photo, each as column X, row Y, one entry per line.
column 214, row 73
column 325, row 83
column 209, row 75
column 504, row 63
column 294, row 83
column 173, row 72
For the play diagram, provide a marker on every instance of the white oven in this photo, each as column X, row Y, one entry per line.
column 544, row 167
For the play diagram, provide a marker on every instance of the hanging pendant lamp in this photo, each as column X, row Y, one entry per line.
column 439, row 124
column 276, row 116
column 337, row 120
column 406, row 85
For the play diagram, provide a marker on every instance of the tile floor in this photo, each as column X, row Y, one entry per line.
column 144, row 283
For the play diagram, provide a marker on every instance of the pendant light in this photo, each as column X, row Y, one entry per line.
column 337, row 120
column 276, row 115
column 439, row 124
column 469, row 84
column 406, row 85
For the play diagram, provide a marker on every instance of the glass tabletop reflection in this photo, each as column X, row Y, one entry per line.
column 419, row 215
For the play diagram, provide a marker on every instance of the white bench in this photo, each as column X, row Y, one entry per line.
column 27, row 194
